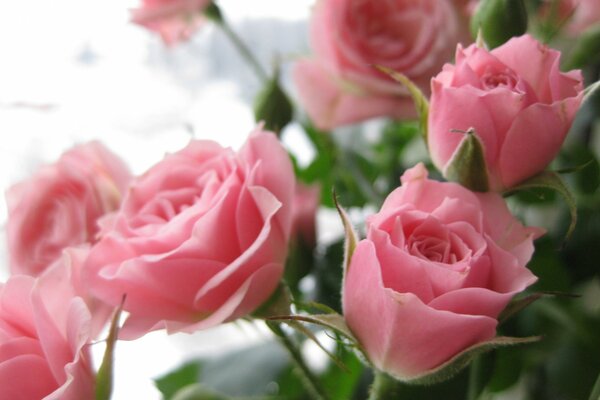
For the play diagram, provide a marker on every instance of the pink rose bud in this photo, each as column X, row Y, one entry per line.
column 520, row 108
column 200, row 239
column 438, row 265
column 60, row 205
column 306, row 202
column 175, row 20
column 44, row 339
column 341, row 86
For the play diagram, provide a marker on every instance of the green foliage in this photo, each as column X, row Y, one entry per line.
column 467, row 165
column 272, row 106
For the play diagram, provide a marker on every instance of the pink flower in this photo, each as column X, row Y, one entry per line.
column 585, row 14
column 521, row 108
column 175, row 20
column 306, row 202
column 438, row 265
column 60, row 205
column 340, row 85
column 44, row 338
column 200, row 239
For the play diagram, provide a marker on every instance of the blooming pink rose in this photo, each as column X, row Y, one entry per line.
column 438, row 265
column 200, row 239
column 59, row 206
column 521, row 108
column 306, row 202
column 340, row 85
column 174, row 20
column 44, row 339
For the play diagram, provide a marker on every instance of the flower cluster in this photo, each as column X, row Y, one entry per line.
column 204, row 236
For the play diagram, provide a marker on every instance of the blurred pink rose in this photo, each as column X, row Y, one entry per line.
column 200, row 239
column 44, row 339
column 174, row 20
column 306, row 202
column 521, row 108
column 586, row 14
column 59, row 206
column 340, row 85
column 438, row 265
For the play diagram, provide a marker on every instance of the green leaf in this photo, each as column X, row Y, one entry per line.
column 499, row 20
column 104, row 377
column 334, row 322
column 419, row 99
column 551, row 180
column 587, row 49
column 467, row 165
column 272, row 105
column 172, row 382
column 460, row 361
column 351, row 240
column 198, row 391
column 595, row 395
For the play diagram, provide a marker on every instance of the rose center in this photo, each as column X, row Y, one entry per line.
column 493, row 80
column 433, row 249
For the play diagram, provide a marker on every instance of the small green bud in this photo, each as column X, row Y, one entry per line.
column 272, row 106
column 499, row 20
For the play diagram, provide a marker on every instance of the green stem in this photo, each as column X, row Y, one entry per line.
column 595, row 395
column 309, row 379
column 243, row 49
column 384, row 387
column 474, row 379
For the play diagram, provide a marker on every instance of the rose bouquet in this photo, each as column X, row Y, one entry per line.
column 455, row 143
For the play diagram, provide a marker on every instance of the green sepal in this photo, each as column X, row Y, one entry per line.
column 332, row 321
column 468, row 166
column 519, row 304
column 499, row 20
column 456, row 364
column 419, row 99
column 551, row 180
column 351, row 237
column 586, row 50
column 104, row 377
column 591, row 90
column 272, row 106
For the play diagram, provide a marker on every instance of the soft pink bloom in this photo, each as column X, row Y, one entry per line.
column 340, row 85
column 59, row 206
column 200, row 239
column 521, row 108
column 306, row 202
column 585, row 14
column 174, row 20
column 438, row 265
column 45, row 332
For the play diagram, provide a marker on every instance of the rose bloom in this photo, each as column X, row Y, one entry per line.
column 200, row 239
column 174, row 20
column 576, row 15
column 438, row 265
column 59, row 206
column 340, row 84
column 521, row 108
column 45, row 331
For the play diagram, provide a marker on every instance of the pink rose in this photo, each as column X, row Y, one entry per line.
column 521, row 108
column 586, row 14
column 340, row 85
column 200, row 239
column 306, row 202
column 175, row 20
column 60, row 205
column 44, row 339
column 438, row 265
